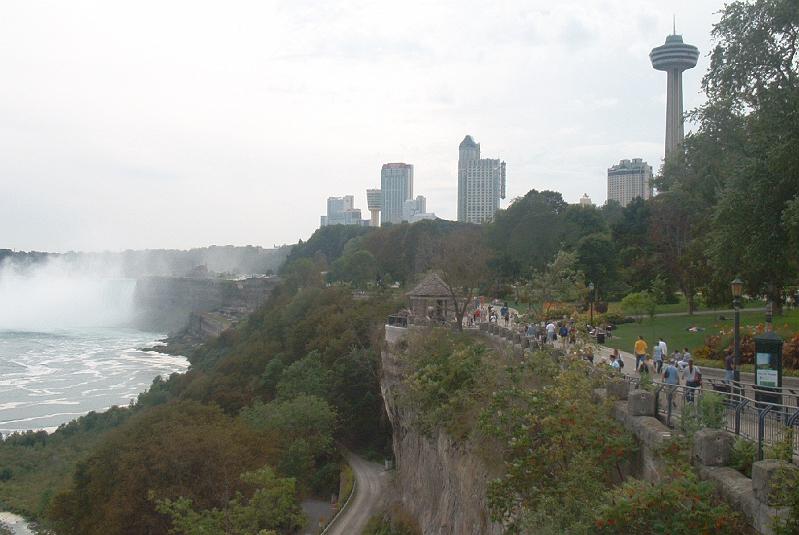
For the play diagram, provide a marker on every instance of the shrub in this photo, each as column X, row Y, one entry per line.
column 677, row 505
column 743, row 456
column 711, row 410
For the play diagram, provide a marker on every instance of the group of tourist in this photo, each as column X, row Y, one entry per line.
column 675, row 369
column 552, row 332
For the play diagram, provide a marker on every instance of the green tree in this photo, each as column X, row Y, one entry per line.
column 180, row 449
column 272, row 509
column 561, row 281
column 306, row 376
column 638, row 305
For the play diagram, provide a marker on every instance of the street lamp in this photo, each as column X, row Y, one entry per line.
column 591, row 302
column 737, row 287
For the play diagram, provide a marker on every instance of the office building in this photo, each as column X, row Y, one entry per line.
column 481, row 184
column 414, row 210
column 396, row 183
column 674, row 57
column 628, row 180
column 341, row 211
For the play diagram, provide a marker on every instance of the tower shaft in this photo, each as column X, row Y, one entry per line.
column 675, row 130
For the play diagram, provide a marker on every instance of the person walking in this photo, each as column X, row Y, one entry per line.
column 551, row 332
column 729, row 368
column 657, row 355
column 664, row 352
column 563, row 333
column 614, row 362
column 671, row 375
column 693, row 379
column 640, row 350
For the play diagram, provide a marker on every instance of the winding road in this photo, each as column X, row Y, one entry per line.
column 371, row 483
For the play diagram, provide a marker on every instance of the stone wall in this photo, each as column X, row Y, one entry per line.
column 711, row 452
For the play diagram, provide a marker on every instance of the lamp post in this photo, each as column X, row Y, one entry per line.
column 737, row 287
column 591, row 302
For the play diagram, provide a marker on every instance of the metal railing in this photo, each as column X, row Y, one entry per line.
column 766, row 424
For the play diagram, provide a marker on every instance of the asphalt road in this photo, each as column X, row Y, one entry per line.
column 371, row 482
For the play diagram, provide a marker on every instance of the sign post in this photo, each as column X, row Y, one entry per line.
column 768, row 368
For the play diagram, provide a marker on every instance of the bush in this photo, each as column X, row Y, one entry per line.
column 679, row 505
column 743, row 456
column 711, row 410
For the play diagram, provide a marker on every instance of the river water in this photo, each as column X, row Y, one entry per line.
column 51, row 377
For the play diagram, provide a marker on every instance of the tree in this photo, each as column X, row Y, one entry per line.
column 639, row 304
column 672, row 231
column 180, row 449
column 561, row 281
column 750, row 118
column 463, row 263
column 272, row 509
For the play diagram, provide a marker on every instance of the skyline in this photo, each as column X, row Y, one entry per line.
column 122, row 133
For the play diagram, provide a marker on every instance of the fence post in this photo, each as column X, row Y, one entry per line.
column 761, row 430
column 670, row 401
column 738, row 410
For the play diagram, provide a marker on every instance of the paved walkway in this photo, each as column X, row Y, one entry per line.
column 371, row 483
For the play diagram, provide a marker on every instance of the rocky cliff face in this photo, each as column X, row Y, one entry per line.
column 441, row 483
column 167, row 303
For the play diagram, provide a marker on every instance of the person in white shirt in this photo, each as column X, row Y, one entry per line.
column 551, row 332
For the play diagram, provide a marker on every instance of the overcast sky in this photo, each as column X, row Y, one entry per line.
column 179, row 124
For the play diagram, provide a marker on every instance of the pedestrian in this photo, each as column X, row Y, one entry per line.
column 657, row 352
column 671, row 375
column 686, row 355
column 614, row 362
column 617, row 356
column 640, row 350
column 643, row 369
column 693, row 379
column 664, row 351
column 729, row 368
column 572, row 333
column 551, row 332
column 563, row 333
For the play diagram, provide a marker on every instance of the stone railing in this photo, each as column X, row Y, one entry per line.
column 711, row 452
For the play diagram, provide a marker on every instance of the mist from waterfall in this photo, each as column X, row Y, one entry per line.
column 61, row 293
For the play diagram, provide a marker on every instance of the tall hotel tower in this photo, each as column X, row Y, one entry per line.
column 674, row 57
column 396, row 182
column 481, row 184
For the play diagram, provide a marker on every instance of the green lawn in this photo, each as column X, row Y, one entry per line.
column 674, row 329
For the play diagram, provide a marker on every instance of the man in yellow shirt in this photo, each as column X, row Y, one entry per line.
column 640, row 351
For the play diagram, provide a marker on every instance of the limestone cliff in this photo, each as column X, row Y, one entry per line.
column 440, row 482
column 167, row 303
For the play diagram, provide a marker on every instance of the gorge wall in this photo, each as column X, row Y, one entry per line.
column 440, row 482
column 169, row 303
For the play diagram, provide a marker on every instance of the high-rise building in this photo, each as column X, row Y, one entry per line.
column 374, row 201
column 396, row 183
column 481, row 184
column 585, row 200
column 342, row 211
column 628, row 180
column 414, row 210
column 674, row 57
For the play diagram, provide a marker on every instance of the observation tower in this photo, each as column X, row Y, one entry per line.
column 374, row 200
column 674, row 57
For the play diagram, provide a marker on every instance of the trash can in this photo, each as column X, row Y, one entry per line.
column 600, row 337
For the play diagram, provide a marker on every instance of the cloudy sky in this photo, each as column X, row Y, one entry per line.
column 186, row 123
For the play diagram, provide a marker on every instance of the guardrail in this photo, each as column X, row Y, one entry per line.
column 764, row 423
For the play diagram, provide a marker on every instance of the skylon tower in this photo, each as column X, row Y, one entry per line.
column 674, row 57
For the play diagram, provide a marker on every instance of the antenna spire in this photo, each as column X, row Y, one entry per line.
column 674, row 23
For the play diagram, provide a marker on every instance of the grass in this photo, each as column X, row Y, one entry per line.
column 674, row 329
